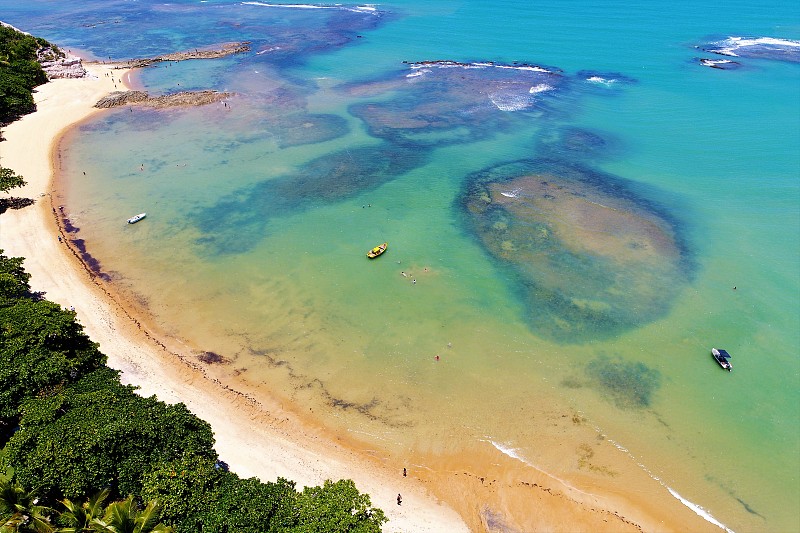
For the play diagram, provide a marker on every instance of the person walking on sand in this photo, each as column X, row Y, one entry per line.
column 399, row 499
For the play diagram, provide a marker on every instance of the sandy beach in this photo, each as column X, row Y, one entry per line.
column 258, row 437
column 255, row 439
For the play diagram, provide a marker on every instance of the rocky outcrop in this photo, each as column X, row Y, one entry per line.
column 181, row 99
column 61, row 67
column 220, row 51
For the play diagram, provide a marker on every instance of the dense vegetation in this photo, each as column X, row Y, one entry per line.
column 20, row 72
column 71, row 432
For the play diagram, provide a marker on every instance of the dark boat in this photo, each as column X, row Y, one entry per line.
column 721, row 357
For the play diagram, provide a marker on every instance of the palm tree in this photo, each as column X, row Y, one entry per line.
column 125, row 517
column 19, row 510
column 79, row 517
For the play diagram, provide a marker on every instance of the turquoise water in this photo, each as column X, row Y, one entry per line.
column 671, row 185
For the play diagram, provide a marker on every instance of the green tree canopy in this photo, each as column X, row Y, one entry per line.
column 41, row 347
column 9, row 180
column 197, row 496
column 98, row 433
column 126, row 517
column 337, row 508
column 13, row 280
column 80, row 517
column 19, row 509
column 20, row 73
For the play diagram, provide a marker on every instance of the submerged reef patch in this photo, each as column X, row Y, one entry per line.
column 630, row 385
column 439, row 103
column 589, row 258
column 573, row 143
column 238, row 222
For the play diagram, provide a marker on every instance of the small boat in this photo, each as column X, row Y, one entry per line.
column 136, row 218
column 721, row 357
column 378, row 250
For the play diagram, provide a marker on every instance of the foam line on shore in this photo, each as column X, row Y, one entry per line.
column 514, row 454
column 697, row 509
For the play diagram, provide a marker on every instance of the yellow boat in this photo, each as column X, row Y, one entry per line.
column 378, row 250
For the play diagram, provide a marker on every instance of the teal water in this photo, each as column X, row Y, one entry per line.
column 682, row 183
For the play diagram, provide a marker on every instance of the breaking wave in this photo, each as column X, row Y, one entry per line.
column 366, row 8
column 756, row 47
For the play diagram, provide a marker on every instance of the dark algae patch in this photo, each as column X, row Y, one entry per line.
column 237, row 223
column 588, row 257
column 630, row 385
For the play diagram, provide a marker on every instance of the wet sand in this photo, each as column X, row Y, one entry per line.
column 255, row 433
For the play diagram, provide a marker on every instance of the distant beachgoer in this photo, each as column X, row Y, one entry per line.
column 59, row 238
column 414, row 281
column 734, row 287
column 84, row 172
column 399, row 499
column 436, row 358
column 72, row 308
column 404, row 274
column 404, row 472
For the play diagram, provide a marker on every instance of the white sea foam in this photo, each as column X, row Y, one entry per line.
column 510, row 102
column 479, row 65
column 600, row 80
column 366, row 8
column 542, row 87
column 699, row 510
column 4, row 24
column 514, row 454
column 731, row 45
column 523, row 67
column 418, row 73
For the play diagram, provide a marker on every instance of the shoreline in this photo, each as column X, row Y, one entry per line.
column 255, row 438
column 258, row 437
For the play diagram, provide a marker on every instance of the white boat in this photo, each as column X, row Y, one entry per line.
column 136, row 218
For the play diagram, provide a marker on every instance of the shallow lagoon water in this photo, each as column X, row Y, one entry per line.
column 258, row 225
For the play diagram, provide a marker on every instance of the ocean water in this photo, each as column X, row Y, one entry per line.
column 576, row 208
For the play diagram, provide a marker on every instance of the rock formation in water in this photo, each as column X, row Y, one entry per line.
column 141, row 98
column 209, row 53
